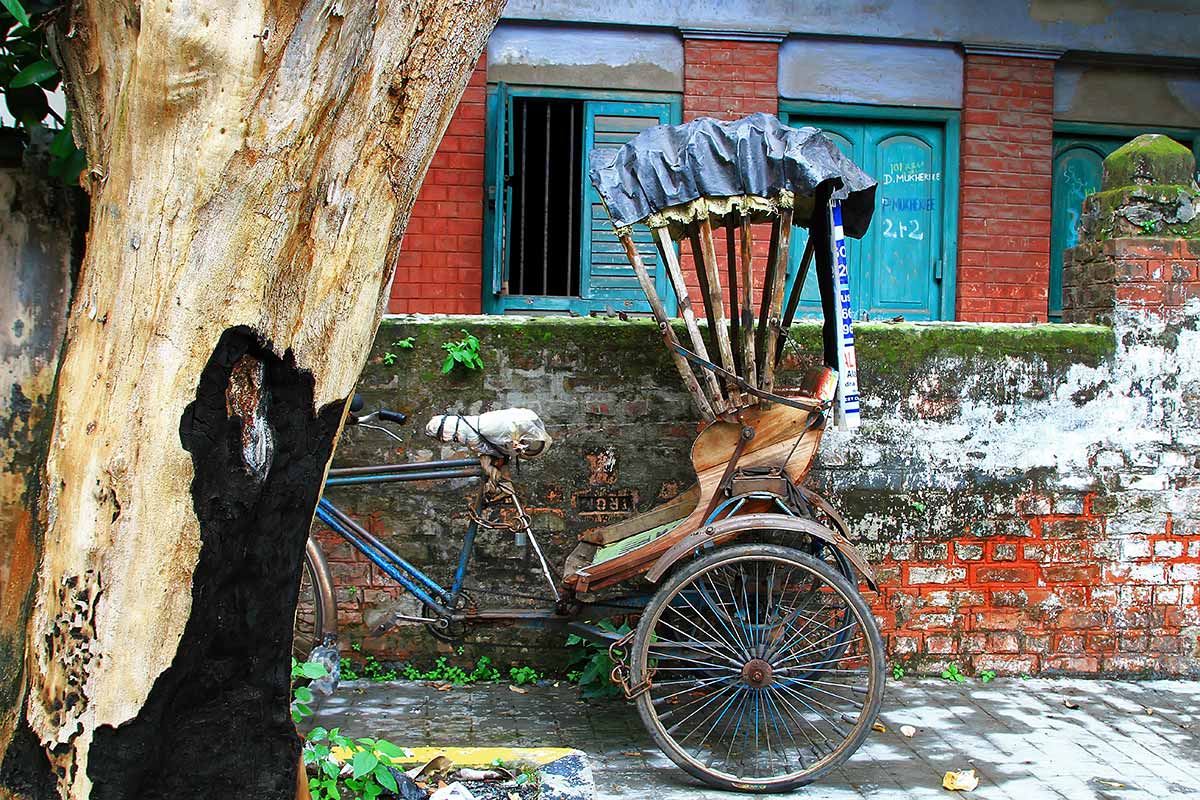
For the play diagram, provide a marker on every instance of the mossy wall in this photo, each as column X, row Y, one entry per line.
column 980, row 445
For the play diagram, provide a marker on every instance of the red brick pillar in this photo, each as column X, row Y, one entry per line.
column 729, row 78
column 1005, row 180
column 440, row 266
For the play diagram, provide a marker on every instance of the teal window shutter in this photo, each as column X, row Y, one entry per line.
column 499, row 192
column 606, row 279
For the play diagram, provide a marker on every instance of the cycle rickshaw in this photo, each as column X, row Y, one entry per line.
column 757, row 664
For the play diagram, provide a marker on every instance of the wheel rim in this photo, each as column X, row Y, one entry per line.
column 760, row 672
column 308, row 621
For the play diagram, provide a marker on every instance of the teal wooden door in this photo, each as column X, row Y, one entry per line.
column 896, row 268
column 1078, row 164
column 606, row 279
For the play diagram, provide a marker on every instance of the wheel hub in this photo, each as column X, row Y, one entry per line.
column 757, row 673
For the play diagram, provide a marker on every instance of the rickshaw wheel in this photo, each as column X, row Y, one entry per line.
column 765, row 668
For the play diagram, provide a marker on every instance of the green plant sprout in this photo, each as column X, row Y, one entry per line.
column 591, row 666
column 952, row 673
column 987, row 675
column 465, row 351
column 389, row 358
column 326, row 750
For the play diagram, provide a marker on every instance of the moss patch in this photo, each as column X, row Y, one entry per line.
column 1148, row 159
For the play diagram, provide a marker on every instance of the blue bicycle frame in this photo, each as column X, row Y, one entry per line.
column 408, row 575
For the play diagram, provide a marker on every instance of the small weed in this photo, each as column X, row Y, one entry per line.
column 952, row 673
column 897, row 671
column 987, row 676
column 465, row 351
column 523, row 675
column 591, row 666
column 369, row 759
column 389, row 358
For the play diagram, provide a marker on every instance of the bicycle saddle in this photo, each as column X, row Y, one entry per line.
column 512, row 432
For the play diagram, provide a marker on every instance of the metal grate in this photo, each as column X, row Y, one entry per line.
column 543, row 259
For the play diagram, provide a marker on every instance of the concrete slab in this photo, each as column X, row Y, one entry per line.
column 1026, row 739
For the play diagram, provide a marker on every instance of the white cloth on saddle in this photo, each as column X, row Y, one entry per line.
column 507, row 432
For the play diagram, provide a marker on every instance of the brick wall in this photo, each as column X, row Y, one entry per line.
column 440, row 266
column 1029, row 496
column 729, row 79
column 1005, row 182
column 1151, row 275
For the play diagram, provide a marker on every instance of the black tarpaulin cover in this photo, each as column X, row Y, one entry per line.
column 670, row 165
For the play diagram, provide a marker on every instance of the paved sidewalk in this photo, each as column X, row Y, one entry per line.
column 1124, row 741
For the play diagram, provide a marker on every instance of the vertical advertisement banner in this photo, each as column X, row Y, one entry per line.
column 846, row 413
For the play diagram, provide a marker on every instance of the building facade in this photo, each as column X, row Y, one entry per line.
column 984, row 123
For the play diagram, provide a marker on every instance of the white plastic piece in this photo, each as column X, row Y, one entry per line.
column 508, row 432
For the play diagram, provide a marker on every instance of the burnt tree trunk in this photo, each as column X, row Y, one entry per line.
column 252, row 166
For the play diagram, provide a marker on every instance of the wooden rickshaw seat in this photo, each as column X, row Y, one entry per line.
column 777, row 427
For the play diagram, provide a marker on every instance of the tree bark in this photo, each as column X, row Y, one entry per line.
column 252, row 166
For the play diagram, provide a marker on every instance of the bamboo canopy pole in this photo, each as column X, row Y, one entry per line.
column 747, row 262
column 667, row 248
column 778, row 273
column 716, row 302
column 664, row 326
column 731, row 264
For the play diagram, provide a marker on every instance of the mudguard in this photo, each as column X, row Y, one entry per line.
column 732, row 527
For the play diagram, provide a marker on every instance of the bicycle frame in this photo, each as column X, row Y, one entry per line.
column 412, row 578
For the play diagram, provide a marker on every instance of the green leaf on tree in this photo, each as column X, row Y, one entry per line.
column 36, row 72
column 15, row 8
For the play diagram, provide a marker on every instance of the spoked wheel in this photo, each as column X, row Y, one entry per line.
column 765, row 668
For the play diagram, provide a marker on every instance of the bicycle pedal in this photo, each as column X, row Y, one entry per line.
column 380, row 619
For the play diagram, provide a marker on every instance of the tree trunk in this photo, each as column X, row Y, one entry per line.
column 252, row 166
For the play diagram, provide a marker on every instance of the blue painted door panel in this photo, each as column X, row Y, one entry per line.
column 1077, row 167
column 894, row 268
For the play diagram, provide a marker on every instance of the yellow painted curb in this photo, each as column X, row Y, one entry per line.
column 473, row 756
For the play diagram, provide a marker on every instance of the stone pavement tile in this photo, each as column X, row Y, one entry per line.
column 1021, row 739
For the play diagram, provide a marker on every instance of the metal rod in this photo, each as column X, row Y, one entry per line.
column 731, row 267
column 747, row 311
column 571, row 206
column 341, row 472
column 403, row 477
column 524, row 164
column 377, row 551
column 667, row 249
column 793, row 301
column 546, row 211
column 664, row 326
column 774, row 324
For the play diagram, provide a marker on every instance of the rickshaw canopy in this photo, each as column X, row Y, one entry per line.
column 748, row 166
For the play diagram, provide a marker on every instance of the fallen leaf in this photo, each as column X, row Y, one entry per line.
column 433, row 766
column 517, row 689
column 442, row 687
column 632, row 753
column 963, row 780
column 908, row 730
column 879, row 727
column 1110, row 784
column 1149, row 711
column 1070, row 704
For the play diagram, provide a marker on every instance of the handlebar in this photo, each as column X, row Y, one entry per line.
column 383, row 414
